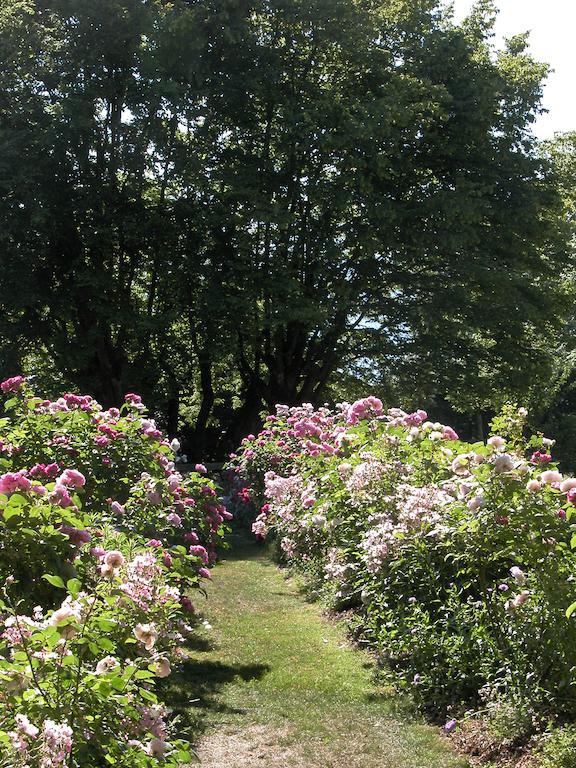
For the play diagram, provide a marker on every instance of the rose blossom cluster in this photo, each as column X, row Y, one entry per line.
column 52, row 744
column 45, row 742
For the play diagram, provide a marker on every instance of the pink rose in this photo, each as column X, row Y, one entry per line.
column 72, row 478
column 12, row 385
column 197, row 550
column 116, row 508
column 14, row 481
column 174, row 519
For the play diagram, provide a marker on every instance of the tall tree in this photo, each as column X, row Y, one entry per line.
column 92, row 98
column 272, row 187
column 374, row 175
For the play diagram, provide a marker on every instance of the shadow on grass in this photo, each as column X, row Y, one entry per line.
column 200, row 644
column 243, row 545
column 193, row 692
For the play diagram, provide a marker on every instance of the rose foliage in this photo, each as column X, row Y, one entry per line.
column 103, row 544
column 455, row 559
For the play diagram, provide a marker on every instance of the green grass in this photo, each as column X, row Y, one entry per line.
column 279, row 684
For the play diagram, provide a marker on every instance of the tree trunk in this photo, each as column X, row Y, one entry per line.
column 246, row 420
column 479, row 426
column 172, row 415
column 206, row 405
column 109, row 374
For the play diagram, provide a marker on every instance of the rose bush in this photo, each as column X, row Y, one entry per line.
column 454, row 557
column 77, row 682
column 69, row 466
column 91, row 502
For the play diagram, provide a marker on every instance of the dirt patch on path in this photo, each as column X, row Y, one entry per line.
column 253, row 746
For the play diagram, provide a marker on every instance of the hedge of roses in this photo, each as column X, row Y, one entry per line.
column 103, row 544
column 455, row 558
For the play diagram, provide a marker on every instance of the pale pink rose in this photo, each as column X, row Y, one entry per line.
column 174, row 481
column 61, row 618
column 163, row 668
column 106, row 665
column 157, row 748
column 114, row 559
column 520, row 599
column 174, row 519
column 449, row 434
column 568, row 484
column 460, row 465
column 116, row 508
column 518, row 575
column 64, row 613
column 146, row 634
column 496, row 442
column 503, row 463
column 551, row 476
column 533, row 485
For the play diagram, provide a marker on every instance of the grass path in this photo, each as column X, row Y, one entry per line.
column 278, row 684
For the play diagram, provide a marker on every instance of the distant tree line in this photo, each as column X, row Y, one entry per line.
column 225, row 204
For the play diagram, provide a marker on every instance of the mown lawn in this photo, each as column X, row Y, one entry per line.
column 277, row 684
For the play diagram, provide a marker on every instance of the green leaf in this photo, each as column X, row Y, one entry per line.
column 17, row 500
column 570, row 610
column 147, row 695
column 106, row 625
column 56, row 581
column 74, row 586
column 118, row 683
column 144, row 674
column 9, row 514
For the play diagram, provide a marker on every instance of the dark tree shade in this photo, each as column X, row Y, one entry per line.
column 241, row 196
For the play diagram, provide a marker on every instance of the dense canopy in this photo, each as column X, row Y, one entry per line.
column 222, row 203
